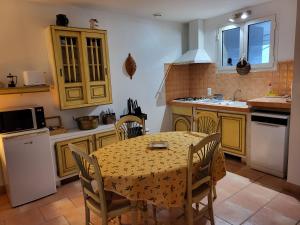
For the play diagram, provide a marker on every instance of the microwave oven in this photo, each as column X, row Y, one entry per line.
column 22, row 118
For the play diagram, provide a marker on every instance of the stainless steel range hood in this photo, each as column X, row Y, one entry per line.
column 196, row 52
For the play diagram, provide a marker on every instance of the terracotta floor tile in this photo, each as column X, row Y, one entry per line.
column 249, row 200
column 286, row 205
column 57, row 221
column 259, row 189
column 232, row 213
column 56, row 208
column 31, row 217
column 75, row 216
column 78, row 200
column 268, row 216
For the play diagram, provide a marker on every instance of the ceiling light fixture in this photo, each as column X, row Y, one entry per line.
column 240, row 16
column 245, row 15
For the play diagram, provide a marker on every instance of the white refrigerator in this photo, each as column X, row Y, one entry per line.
column 28, row 165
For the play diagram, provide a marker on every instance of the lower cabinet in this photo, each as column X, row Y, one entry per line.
column 233, row 129
column 65, row 162
column 103, row 139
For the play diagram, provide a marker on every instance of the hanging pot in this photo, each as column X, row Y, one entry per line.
column 243, row 67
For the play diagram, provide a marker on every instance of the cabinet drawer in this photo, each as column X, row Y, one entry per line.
column 187, row 111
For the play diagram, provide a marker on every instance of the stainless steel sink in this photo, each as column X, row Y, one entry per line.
column 224, row 102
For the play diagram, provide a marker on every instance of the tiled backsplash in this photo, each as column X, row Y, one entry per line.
column 194, row 79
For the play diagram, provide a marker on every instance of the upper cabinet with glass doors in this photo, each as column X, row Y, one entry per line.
column 81, row 66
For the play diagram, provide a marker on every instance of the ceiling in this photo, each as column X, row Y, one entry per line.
column 172, row 10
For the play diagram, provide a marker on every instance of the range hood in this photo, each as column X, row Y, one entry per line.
column 196, row 52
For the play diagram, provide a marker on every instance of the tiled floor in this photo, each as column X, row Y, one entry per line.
column 245, row 196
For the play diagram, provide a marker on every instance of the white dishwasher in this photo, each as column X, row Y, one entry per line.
column 269, row 142
column 28, row 165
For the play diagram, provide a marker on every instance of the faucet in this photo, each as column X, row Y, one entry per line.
column 235, row 93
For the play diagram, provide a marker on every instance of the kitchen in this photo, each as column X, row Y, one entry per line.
column 25, row 46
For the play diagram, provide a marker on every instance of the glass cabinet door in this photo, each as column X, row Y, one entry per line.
column 96, row 67
column 70, row 68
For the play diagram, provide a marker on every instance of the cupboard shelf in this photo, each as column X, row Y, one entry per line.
column 23, row 90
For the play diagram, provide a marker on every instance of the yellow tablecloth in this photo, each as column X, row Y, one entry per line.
column 132, row 170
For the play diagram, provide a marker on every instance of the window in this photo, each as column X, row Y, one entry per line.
column 253, row 40
column 231, row 47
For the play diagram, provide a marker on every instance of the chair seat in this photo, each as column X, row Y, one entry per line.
column 200, row 192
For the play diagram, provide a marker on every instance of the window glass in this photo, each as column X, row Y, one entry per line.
column 230, row 47
column 259, row 39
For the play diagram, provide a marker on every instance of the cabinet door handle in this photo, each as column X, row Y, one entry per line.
column 28, row 143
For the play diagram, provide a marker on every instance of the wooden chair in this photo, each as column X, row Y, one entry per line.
column 129, row 126
column 199, row 177
column 208, row 123
column 105, row 204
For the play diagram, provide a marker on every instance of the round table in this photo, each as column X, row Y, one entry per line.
column 129, row 168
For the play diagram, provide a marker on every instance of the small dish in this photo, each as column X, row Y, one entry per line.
column 158, row 145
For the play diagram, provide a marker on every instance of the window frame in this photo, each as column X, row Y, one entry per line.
column 221, row 30
column 244, row 29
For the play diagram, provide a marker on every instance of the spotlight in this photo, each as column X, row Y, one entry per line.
column 231, row 20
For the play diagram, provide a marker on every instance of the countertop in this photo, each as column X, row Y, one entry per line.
column 74, row 133
column 270, row 102
column 211, row 106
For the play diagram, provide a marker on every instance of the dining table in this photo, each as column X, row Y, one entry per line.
column 133, row 170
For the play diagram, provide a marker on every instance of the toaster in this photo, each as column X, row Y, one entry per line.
column 34, row 78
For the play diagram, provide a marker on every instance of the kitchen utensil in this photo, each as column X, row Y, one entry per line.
column 137, row 109
column 243, row 67
column 87, row 122
column 13, row 80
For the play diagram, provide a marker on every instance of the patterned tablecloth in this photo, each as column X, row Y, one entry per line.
column 132, row 170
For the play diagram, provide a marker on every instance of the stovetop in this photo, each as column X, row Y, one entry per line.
column 189, row 99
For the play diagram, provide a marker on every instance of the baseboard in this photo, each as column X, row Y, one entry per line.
column 2, row 190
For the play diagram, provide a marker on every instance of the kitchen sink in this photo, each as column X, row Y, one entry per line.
column 224, row 102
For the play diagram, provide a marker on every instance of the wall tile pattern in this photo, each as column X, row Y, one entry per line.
column 194, row 79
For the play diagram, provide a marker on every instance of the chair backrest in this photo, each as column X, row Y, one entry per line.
column 200, row 160
column 207, row 123
column 129, row 126
column 90, row 177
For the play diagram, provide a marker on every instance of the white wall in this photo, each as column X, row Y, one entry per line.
column 285, row 12
column 152, row 43
column 294, row 149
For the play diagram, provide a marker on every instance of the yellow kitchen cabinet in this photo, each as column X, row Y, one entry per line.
column 103, row 139
column 81, row 66
column 182, row 118
column 233, row 129
column 64, row 159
